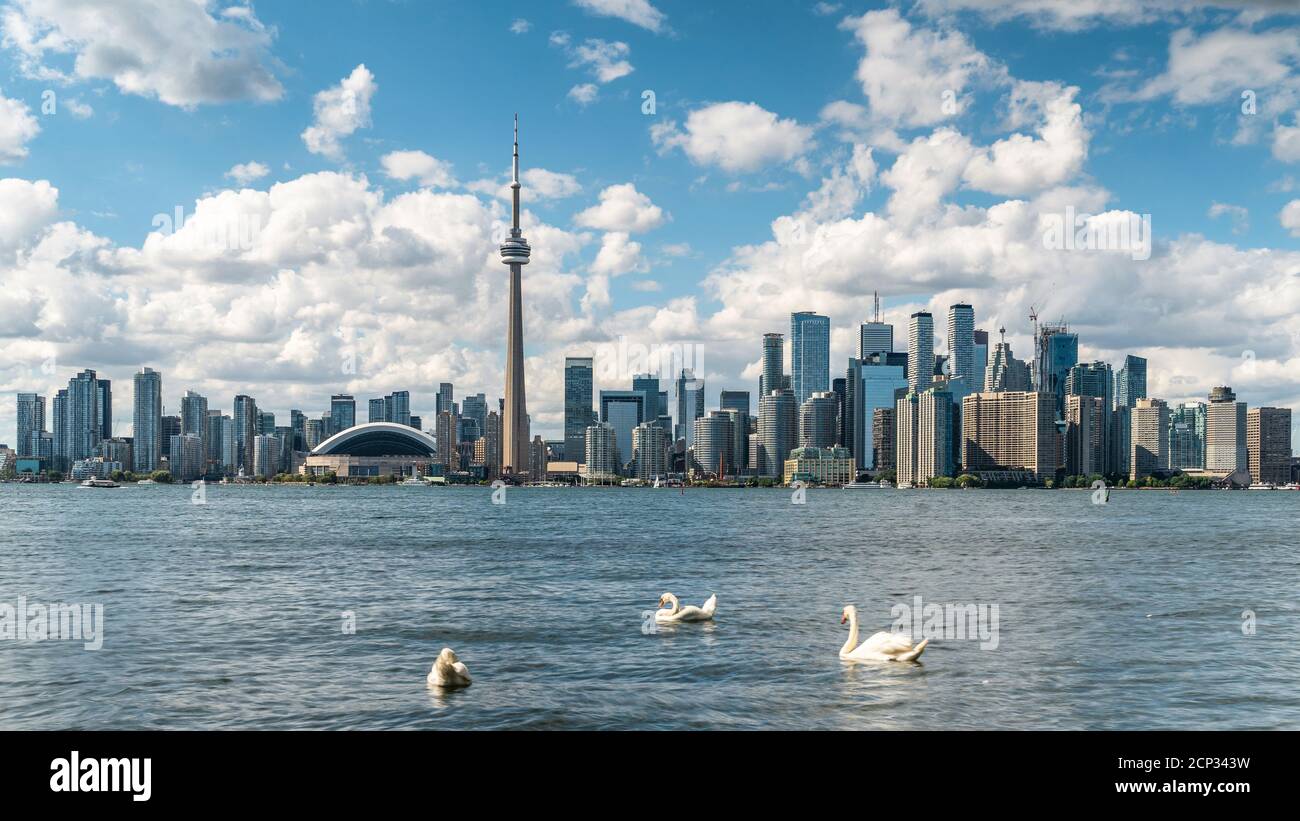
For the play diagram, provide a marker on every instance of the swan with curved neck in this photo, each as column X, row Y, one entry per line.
column 449, row 671
column 671, row 610
column 881, row 646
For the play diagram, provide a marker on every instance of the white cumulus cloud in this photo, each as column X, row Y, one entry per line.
column 735, row 136
column 340, row 111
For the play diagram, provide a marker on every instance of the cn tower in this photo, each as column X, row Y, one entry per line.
column 514, row 252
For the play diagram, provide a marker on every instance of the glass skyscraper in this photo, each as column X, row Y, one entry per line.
column 690, row 405
column 31, row 419
column 1131, row 381
column 920, row 351
column 875, row 337
column 1058, row 352
column 146, row 421
column 773, row 354
column 578, row 373
column 623, row 410
column 810, row 354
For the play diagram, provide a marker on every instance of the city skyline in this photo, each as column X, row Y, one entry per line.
column 373, row 266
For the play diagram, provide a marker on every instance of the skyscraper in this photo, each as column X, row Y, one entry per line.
column 1058, row 351
column 1006, row 373
column 778, row 430
column 649, row 449
column 245, row 414
column 31, row 419
column 713, row 441
column 981, row 359
column 773, row 354
column 810, row 354
column 869, row 385
column 515, row 253
column 446, row 400
column 819, row 420
column 1268, row 445
column 920, row 351
column 1187, row 436
column 1150, row 438
column 734, row 400
column 928, row 419
column 343, row 412
column 1086, row 435
column 194, row 418
column 623, row 410
column 1225, row 432
column 961, row 345
column 1131, row 381
column 577, row 406
column 690, row 405
column 147, row 421
column 601, row 452
column 83, row 428
column 875, row 336
column 1011, row 431
column 1094, row 380
column 104, row 407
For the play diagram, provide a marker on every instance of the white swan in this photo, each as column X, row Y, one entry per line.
column 675, row 612
column 880, row 646
column 449, row 671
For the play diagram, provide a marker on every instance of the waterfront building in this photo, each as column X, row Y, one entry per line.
column 920, row 351
column 737, row 454
column 1187, row 436
column 1008, row 434
column 194, row 418
column 377, row 410
column 83, row 430
column 445, row 433
column 883, row 447
column 1094, row 379
column 374, row 449
column 1121, row 437
column 819, row 420
column 147, row 421
column 515, row 254
column 473, row 406
column 981, row 360
column 1150, row 438
column 492, row 445
column 934, row 435
column 869, row 384
column 116, row 450
column 59, row 429
column 1225, row 432
column 104, row 407
column 298, row 421
column 186, row 460
column 810, row 354
column 601, row 461
column 578, row 382
column 31, row 420
column 1086, row 435
column 650, row 451
column 1268, row 445
column 778, row 430
column 312, row 431
column 537, row 460
column 623, row 410
column 246, row 424
column 1131, row 381
column 713, row 443
column 961, row 346
column 823, row 466
column 690, row 405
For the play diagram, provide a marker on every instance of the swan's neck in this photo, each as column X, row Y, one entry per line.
column 673, row 606
column 852, row 641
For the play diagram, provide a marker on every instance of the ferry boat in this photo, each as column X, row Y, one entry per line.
column 104, row 483
column 1262, row 486
column 865, row 485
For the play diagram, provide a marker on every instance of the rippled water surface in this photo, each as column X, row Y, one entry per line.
column 228, row 614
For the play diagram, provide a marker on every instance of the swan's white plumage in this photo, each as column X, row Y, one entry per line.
column 676, row 612
column 880, row 646
column 449, row 671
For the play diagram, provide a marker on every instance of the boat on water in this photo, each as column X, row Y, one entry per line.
column 99, row 483
column 146, row 482
column 1262, row 486
column 866, row 485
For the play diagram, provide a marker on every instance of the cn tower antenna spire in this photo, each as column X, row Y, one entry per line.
column 515, row 253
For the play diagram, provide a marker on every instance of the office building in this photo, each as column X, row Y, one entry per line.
column 734, row 400
column 1225, row 432
column 875, row 337
column 690, row 405
column 343, row 412
column 1187, row 437
column 578, row 403
column 810, row 354
column 821, row 466
column 1058, row 352
column 883, row 447
column 1005, row 373
column 1268, row 445
column 1131, row 381
column 1149, row 440
column 246, row 419
column 623, row 411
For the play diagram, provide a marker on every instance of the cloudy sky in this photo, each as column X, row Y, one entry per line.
column 292, row 202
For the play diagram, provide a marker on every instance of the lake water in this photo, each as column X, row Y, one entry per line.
column 1127, row 615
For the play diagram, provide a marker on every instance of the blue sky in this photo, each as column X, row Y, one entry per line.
column 758, row 105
